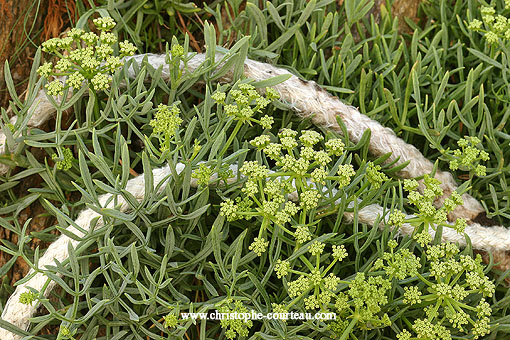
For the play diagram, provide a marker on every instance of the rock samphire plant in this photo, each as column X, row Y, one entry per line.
column 212, row 182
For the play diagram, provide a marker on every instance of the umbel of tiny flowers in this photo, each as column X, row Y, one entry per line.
column 28, row 297
column 493, row 26
column 362, row 305
column 244, row 102
column 84, row 57
column 66, row 333
column 171, row 320
column 66, row 163
column 400, row 265
column 165, row 124
column 314, row 289
column 468, row 157
column 453, row 296
column 232, row 326
column 302, row 168
column 427, row 214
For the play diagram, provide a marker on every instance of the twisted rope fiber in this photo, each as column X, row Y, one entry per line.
column 308, row 100
column 19, row 314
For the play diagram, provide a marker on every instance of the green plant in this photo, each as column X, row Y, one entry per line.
column 250, row 243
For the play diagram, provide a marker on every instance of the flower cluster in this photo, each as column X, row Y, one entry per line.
column 494, row 27
column 454, row 279
column 66, row 163
column 165, row 124
column 234, row 327
column 362, row 304
column 27, row 297
column 84, row 56
column 375, row 176
column 66, row 333
column 317, row 288
column 202, row 174
column 244, row 102
column 171, row 320
column 302, row 168
column 428, row 215
column 468, row 157
column 400, row 265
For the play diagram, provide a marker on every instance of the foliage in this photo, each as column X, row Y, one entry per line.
column 245, row 245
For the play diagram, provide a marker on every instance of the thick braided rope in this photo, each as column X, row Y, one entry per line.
column 310, row 100
column 19, row 314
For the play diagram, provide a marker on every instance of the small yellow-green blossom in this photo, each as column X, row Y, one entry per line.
column 67, row 162
column 88, row 57
column 251, row 187
column 375, row 176
column 446, row 297
column 369, row 296
column 55, row 88
column 310, row 137
column 299, row 286
column 396, row 218
column 27, row 297
column 302, row 234
column 423, row 238
column 202, row 174
column 63, row 65
column 309, row 199
column 401, row 265
column 171, row 320
column 322, row 158
column 254, row 170
column 66, row 333
column 108, row 38
column 259, row 246
column 127, row 48
column 101, row 81
column 75, row 80
column 260, row 142
column 166, row 120
column 232, row 326
column 272, row 94
column 177, row 50
column 219, row 97
column 339, row 252
column 282, row 268
column 345, row 172
column 319, row 176
column 331, row 282
column 429, row 215
column 104, row 24
column 280, row 310
column 404, row 335
column 229, row 209
column 89, row 38
column 412, row 295
column 460, row 225
column 286, row 132
column 425, row 329
column 469, row 156
column 45, row 70
column 288, row 142
column 410, row 184
column 335, row 147
column 316, row 248
column 266, row 122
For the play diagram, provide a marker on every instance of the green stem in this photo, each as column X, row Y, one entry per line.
column 349, row 328
column 231, row 138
